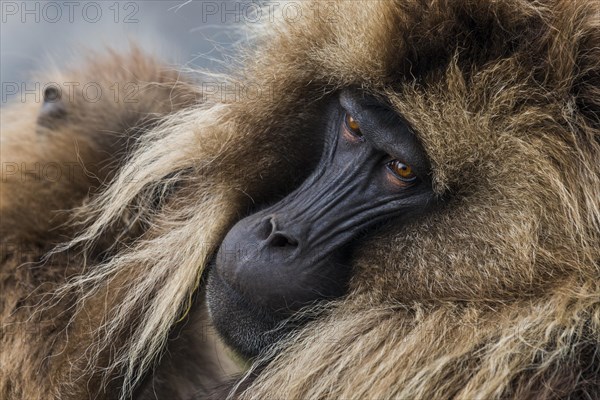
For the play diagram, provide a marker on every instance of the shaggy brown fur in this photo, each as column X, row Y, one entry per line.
column 496, row 294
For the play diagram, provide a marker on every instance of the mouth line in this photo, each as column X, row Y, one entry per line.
column 242, row 303
column 232, row 312
column 272, row 318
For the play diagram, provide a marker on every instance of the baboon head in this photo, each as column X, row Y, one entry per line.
column 452, row 168
column 295, row 252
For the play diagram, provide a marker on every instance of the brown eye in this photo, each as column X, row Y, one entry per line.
column 402, row 171
column 353, row 126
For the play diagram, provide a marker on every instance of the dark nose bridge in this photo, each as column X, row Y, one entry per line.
column 297, row 225
column 335, row 194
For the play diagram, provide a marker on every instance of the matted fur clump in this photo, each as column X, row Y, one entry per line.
column 496, row 294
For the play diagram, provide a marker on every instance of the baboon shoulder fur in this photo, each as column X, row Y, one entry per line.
column 495, row 294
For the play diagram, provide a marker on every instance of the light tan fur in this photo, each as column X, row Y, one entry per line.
column 496, row 294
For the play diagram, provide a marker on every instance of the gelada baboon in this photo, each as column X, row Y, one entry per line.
column 411, row 210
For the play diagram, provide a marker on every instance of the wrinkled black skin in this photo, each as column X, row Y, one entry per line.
column 294, row 253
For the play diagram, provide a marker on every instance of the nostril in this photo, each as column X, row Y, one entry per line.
column 280, row 240
column 270, row 233
column 266, row 227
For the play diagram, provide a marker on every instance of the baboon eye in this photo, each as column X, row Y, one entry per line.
column 402, row 171
column 353, row 127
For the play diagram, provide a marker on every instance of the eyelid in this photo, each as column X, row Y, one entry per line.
column 349, row 131
column 390, row 167
column 352, row 101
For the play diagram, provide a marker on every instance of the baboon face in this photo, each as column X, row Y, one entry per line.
column 294, row 253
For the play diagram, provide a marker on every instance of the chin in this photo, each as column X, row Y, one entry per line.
column 246, row 328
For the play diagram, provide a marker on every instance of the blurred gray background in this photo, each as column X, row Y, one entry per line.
column 36, row 34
